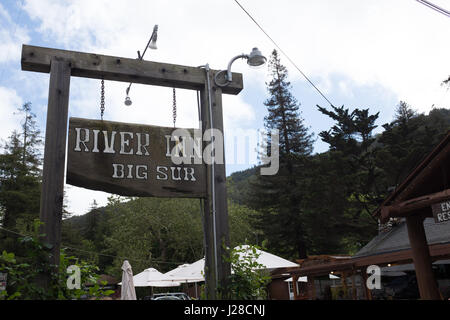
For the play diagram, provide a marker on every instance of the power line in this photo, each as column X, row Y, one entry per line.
column 434, row 7
column 100, row 254
column 282, row 51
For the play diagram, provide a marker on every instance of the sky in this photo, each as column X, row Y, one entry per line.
column 359, row 53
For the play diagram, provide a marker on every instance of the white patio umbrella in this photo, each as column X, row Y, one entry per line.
column 267, row 260
column 188, row 273
column 305, row 279
column 128, row 292
column 300, row 279
column 194, row 272
column 153, row 278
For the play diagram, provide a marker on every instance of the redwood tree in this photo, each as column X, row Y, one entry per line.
column 278, row 198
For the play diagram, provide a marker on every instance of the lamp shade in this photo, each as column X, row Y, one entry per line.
column 255, row 58
column 152, row 44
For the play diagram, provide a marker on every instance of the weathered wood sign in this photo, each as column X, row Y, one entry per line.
column 135, row 159
column 441, row 211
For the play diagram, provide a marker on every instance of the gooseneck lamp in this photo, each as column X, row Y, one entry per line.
column 254, row 59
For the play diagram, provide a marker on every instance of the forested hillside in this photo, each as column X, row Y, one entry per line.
column 318, row 203
column 340, row 191
column 341, row 187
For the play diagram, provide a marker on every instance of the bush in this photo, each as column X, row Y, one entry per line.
column 23, row 273
column 249, row 279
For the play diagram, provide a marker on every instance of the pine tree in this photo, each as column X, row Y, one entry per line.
column 283, row 115
column 407, row 139
column 352, row 173
column 20, row 174
column 279, row 198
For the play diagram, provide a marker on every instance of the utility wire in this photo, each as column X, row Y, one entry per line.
column 97, row 253
column 434, row 7
column 282, row 51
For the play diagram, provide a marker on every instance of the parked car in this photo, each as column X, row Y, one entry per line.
column 169, row 297
column 178, row 295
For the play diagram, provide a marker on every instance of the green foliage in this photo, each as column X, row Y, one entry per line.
column 23, row 273
column 161, row 233
column 89, row 278
column 248, row 280
column 339, row 189
column 20, row 178
column 276, row 197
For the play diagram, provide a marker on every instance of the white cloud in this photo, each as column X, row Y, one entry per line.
column 9, row 121
column 12, row 35
column 398, row 45
column 79, row 200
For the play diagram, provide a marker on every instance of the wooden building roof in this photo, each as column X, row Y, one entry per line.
column 388, row 247
column 429, row 182
column 396, row 239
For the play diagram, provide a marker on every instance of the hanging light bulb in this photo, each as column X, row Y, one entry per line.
column 127, row 99
column 152, row 45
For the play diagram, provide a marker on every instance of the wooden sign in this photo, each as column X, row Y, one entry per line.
column 441, row 211
column 135, row 160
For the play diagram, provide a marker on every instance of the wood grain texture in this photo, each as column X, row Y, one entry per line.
column 96, row 66
column 95, row 170
column 52, row 194
column 220, row 221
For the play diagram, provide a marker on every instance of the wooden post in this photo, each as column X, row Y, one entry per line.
column 344, row 284
column 295, row 286
column 364, row 284
column 52, row 194
column 421, row 256
column 311, row 288
column 94, row 66
column 353, row 287
column 215, row 222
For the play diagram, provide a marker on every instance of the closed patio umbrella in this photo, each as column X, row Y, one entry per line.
column 128, row 292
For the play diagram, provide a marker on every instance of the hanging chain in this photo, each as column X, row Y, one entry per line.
column 102, row 99
column 174, row 108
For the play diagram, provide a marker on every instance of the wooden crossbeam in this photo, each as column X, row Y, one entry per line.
column 95, row 66
column 407, row 207
column 62, row 64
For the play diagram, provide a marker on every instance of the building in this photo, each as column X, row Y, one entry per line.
column 417, row 216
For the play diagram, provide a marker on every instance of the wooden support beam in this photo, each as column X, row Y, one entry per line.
column 62, row 64
column 354, row 296
column 95, row 66
column 423, row 171
column 215, row 221
column 404, row 208
column 311, row 288
column 422, row 262
column 52, row 194
column 364, row 284
column 344, row 284
column 295, row 286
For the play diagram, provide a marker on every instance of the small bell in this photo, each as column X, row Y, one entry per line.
column 128, row 101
